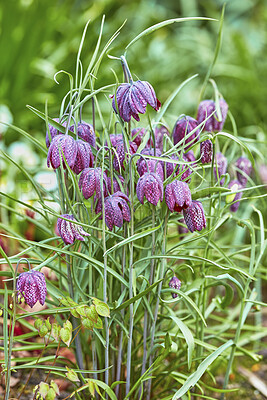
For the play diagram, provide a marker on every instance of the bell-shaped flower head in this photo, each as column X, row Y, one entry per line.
column 206, row 151
column 121, row 154
column 69, row 231
column 116, row 209
column 235, row 185
column 206, row 108
column 86, row 132
column 220, row 166
column 175, row 283
column 194, row 216
column 244, row 170
column 177, row 196
column 84, row 158
column 182, row 128
column 90, row 182
column 150, row 185
column 32, row 287
column 62, row 144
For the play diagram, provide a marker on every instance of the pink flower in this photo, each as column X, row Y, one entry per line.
column 177, row 196
column 69, row 231
column 150, row 185
column 31, row 285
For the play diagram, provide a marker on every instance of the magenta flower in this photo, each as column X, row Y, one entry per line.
column 179, row 168
column 206, row 151
column 32, row 287
column 175, row 283
column 53, row 132
column 116, row 186
column 114, row 139
column 194, row 216
column 137, row 135
column 189, row 156
column 149, row 165
column 221, row 163
column 69, row 231
column 86, row 132
column 206, row 108
column 62, row 144
column 177, row 196
column 245, row 169
column 84, row 158
column 90, row 182
column 132, row 99
column 234, row 207
column 150, row 185
column 116, row 209
column 182, row 128
column 160, row 131
column 122, row 155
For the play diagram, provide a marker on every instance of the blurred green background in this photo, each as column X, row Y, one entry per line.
column 40, row 37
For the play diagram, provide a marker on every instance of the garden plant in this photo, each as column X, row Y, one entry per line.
column 147, row 251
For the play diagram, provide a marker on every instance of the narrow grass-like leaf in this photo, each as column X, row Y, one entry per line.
column 188, row 337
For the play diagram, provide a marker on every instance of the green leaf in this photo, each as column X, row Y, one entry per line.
column 99, row 323
column 102, row 309
column 188, row 337
column 71, row 375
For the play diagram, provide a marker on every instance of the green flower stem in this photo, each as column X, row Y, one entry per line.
column 126, row 70
column 153, row 329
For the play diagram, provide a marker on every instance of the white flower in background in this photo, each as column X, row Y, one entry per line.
column 6, row 117
column 23, row 154
column 47, row 179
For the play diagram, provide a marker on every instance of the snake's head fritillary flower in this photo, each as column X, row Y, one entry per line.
column 150, row 185
column 53, row 131
column 175, row 283
column 178, row 168
column 244, row 170
column 114, row 139
column 221, row 164
column 121, row 154
column 86, row 132
column 32, row 287
column 137, row 135
column 116, row 185
column 132, row 99
column 206, row 151
column 116, row 209
column 69, row 231
column 189, row 156
column 194, row 216
column 177, row 196
column 160, row 131
column 62, row 144
column 90, row 182
column 233, row 186
column 206, row 108
column 182, row 128
column 149, row 165
column 84, row 158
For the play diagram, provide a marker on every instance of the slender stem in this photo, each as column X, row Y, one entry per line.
column 126, row 70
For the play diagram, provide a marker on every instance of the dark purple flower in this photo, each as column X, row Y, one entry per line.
column 194, row 216
column 175, row 283
column 62, row 144
column 69, row 231
column 149, row 165
column 53, row 132
column 182, row 128
column 221, row 163
column 160, row 132
column 235, row 185
column 90, row 182
column 120, row 154
column 86, row 132
column 206, row 151
column 116, row 186
column 31, row 285
column 116, row 209
column 245, row 169
column 206, row 108
column 137, row 135
column 84, row 158
column 189, row 156
column 150, row 185
column 114, row 139
column 132, row 99
column 177, row 196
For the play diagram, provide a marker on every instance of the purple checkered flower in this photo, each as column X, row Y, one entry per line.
column 194, row 216
column 116, row 209
column 182, row 128
column 84, row 158
column 175, row 283
column 86, row 132
column 235, row 185
column 32, row 287
column 90, row 182
column 149, row 165
column 53, row 132
column 206, row 108
column 116, row 185
column 177, row 196
column 150, row 185
column 69, row 231
column 206, row 151
column 62, row 144
column 132, row 99
column 221, row 163
column 122, row 155
column 160, row 132
column 114, row 139
column 137, row 135
column 245, row 167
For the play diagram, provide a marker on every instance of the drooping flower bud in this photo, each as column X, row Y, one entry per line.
column 175, row 283
column 32, row 287
column 132, row 99
column 150, row 185
column 90, row 182
column 245, row 168
column 177, row 196
column 121, row 154
column 86, row 132
column 182, row 128
column 206, row 108
column 194, row 216
column 149, row 165
column 116, row 209
column 206, row 151
column 62, row 144
column 69, row 231
column 84, row 158
column 221, row 163
column 137, row 135
column 235, row 185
